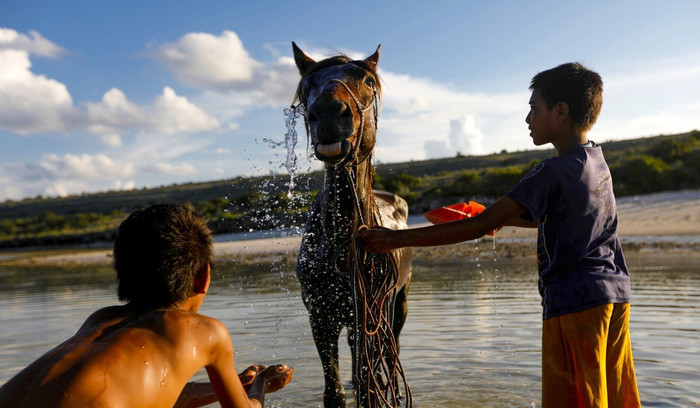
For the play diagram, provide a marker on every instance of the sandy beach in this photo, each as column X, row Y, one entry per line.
column 667, row 221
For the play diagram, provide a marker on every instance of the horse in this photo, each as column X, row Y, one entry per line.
column 340, row 98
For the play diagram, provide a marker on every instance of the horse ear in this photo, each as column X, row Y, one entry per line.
column 302, row 60
column 373, row 59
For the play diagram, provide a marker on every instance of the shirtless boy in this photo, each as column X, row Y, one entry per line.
column 143, row 353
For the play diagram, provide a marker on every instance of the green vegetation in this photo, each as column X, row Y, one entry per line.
column 638, row 166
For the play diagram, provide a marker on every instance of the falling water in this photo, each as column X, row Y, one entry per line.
column 290, row 139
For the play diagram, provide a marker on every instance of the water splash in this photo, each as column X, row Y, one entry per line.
column 290, row 140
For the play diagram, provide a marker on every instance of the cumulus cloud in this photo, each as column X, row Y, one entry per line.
column 61, row 175
column 113, row 115
column 34, row 43
column 437, row 149
column 182, row 169
column 174, row 114
column 442, row 119
column 222, row 64
column 35, row 104
column 465, row 137
column 31, row 103
column 210, row 61
column 84, row 166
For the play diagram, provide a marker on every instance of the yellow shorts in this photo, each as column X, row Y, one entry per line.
column 587, row 359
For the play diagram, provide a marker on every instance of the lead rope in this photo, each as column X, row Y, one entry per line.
column 375, row 279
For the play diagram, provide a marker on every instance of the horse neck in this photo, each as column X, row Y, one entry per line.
column 343, row 191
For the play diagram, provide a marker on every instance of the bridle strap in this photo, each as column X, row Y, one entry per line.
column 361, row 109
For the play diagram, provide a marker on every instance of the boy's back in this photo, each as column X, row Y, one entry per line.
column 120, row 358
column 142, row 354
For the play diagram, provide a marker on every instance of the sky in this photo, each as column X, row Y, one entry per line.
column 115, row 95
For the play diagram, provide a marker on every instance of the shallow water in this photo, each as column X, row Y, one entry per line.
column 472, row 338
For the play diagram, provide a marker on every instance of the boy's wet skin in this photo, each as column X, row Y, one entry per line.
column 130, row 356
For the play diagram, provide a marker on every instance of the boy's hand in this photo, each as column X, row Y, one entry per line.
column 276, row 377
column 248, row 375
column 376, row 239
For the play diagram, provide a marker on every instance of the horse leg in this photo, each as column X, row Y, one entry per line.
column 400, row 313
column 398, row 321
column 326, row 335
column 352, row 342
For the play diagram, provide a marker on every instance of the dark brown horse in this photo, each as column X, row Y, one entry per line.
column 340, row 98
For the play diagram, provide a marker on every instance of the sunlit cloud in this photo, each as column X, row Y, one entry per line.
column 33, row 43
column 444, row 121
column 31, row 103
column 182, row 169
column 113, row 115
column 222, row 102
column 84, row 166
column 222, row 64
column 207, row 60
column 175, row 114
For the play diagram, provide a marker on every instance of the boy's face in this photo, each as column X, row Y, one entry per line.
column 541, row 120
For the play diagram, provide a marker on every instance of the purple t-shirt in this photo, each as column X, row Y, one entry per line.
column 580, row 262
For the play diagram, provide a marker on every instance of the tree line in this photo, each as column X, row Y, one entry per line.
column 659, row 164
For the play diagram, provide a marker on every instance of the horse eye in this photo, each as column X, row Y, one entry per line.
column 369, row 81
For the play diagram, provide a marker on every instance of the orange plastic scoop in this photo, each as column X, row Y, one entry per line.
column 454, row 212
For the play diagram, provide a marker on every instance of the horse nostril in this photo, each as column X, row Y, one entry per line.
column 345, row 111
column 312, row 117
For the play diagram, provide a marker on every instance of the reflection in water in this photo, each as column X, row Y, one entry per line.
column 472, row 337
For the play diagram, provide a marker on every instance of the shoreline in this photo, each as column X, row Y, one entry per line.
column 668, row 221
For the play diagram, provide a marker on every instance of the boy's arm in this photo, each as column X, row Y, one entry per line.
column 196, row 394
column 225, row 381
column 222, row 371
column 199, row 394
column 493, row 217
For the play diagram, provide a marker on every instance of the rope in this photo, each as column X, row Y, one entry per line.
column 374, row 277
column 379, row 370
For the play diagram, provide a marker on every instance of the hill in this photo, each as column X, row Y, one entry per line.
column 639, row 166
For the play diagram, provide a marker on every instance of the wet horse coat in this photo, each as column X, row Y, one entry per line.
column 340, row 97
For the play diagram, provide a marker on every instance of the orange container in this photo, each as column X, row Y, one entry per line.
column 454, row 212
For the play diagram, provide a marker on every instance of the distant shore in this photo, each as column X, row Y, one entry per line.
column 668, row 221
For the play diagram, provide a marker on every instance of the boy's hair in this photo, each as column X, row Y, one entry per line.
column 578, row 86
column 158, row 252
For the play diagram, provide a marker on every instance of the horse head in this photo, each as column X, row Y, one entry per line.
column 340, row 97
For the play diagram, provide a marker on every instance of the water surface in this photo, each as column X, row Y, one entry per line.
column 472, row 338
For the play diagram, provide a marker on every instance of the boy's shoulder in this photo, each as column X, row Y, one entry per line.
column 176, row 325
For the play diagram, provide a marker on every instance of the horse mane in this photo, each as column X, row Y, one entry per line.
column 339, row 59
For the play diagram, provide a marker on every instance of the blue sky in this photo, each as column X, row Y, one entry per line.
column 107, row 95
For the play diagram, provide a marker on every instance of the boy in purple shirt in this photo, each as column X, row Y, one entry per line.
column 583, row 279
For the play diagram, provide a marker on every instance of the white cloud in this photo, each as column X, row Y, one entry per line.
column 182, row 169
column 437, row 148
column 278, row 82
column 34, row 43
column 175, row 114
column 222, row 64
column 34, row 104
column 465, row 137
column 423, row 112
column 84, row 166
column 31, row 103
column 113, row 115
column 210, row 61
column 54, row 175
column 120, row 185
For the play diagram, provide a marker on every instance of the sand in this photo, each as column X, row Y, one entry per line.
column 668, row 221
